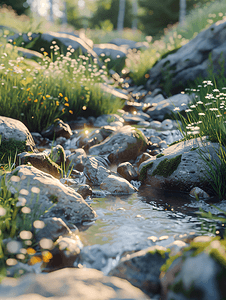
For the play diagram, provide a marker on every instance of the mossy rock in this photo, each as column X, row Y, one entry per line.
column 143, row 172
column 9, row 149
column 167, row 166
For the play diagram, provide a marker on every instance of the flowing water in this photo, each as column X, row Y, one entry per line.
column 129, row 222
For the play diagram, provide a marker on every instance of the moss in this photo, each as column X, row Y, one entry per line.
column 160, row 155
column 143, row 172
column 10, row 148
column 162, row 253
column 167, row 166
column 169, row 262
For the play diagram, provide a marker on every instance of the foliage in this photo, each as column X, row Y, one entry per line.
column 108, row 10
column 158, row 15
column 20, row 6
column 10, row 148
column 167, row 166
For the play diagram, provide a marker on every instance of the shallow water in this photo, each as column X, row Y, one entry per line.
column 128, row 223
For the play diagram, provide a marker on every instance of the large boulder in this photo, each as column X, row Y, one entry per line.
column 124, row 144
column 67, row 284
column 206, row 256
column 129, row 44
column 11, row 129
column 192, row 60
column 180, row 166
column 39, row 190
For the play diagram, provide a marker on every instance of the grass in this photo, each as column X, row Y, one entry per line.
column 57, row 87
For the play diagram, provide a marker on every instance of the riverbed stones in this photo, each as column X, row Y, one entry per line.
column 142, row 269
column 58, row 129
column 181, row 167
column 85, row 190
column 11, row 129
column 117, row 185
column 67, row 284
column 127, row 171
column 41, row 191
column 123, row 145
column 77, row 159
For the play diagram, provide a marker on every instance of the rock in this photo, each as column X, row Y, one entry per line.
column 197, row 192
column 85, row 190
column 207, row 282
column 127, row 171
column 53, row 228
column 58, row 155
column 181, row 166
column 117, row 185
column 31, row 54
column 58, row 129
column 67, row 284
column 177, row 102
column 192, row 60
column 132, row 119
column 69, row 205
column 40, row 161
column 143, row 157
column 65, row 252
column 89, row 138
column 129, row 44
column 124, row 144
column 104, row 120
column 167, row 124
column 154, row 99
column 95, row 171
column 77, row 159
column 11, row 129
column 142, row 269
column 107, row 130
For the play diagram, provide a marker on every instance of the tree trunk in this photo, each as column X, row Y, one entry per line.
column 135, row 12
column 182, row 12
column 121, row 15
column 51, row 18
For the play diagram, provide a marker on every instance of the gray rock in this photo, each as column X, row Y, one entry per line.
column 191, row 169
column 117, row 185
column 123, row 145
column 77, row 159
column 142, row 269
column 16, row 130
column 107, row 120
column 177, row 102
column 127, row 171
column 167, row 124
column 95, row 171
column 129, row 44
column 58, row 129
column 40, row 161
column 58, row 155
column 84, row 190
column 31, row 54
column 191, row 60
column 53, row 228
column 110, row 50
column 68, row 284
column 69, row 205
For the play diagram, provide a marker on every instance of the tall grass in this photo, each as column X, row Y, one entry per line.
column 60, row 86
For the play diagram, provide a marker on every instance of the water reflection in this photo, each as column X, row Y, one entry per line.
column 128, row 220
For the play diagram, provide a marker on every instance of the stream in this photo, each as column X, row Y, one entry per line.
column 135, row 222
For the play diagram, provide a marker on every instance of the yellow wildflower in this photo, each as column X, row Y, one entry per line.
column 44, row 98
column 63, row 109
column 39, row 93
column 47, row 96
column 66, row 99
column 28, row 89
column 45, row 53
column 57, row 103
column 36, row 100
column 66, row 104
column 71, row 112
column 34, row 260
column 29, row 99
column 60, row 94
column 31, row 251
column 46, row 256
